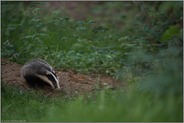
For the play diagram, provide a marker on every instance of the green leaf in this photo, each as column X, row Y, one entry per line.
column 172, row 31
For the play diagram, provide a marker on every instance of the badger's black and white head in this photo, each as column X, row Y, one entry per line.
column 39, row 73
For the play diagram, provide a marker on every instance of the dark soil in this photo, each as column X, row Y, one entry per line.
column 71, row 83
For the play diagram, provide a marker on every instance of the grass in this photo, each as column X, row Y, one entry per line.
column 147, row 53
column 106, row 105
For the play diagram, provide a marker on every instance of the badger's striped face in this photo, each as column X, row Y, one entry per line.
column 53, row 78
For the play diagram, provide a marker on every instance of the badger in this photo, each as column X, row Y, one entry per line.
column 39, row 73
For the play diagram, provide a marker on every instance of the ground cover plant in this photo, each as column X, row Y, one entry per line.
column 141, row 44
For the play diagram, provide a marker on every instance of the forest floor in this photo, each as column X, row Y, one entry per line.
column 72, row 83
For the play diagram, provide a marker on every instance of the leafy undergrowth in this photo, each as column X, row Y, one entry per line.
column 147, row 53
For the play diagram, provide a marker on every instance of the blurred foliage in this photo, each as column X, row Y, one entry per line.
column 171, row 32
column 140, row 43
column 105, row 105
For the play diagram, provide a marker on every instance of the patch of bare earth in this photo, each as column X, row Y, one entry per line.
column 71, row 83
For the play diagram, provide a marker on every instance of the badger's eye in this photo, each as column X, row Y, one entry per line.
column 54, row 73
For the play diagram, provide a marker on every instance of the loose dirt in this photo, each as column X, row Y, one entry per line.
column 71, row 82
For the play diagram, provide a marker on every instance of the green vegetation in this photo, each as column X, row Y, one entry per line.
column 142, row 46
column 106, row 105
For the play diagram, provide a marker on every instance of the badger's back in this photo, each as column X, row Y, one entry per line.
column 36, row 66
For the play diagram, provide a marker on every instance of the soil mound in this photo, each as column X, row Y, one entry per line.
column 70, row 82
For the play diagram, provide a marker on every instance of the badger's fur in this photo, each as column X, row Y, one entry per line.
column 39, row 73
